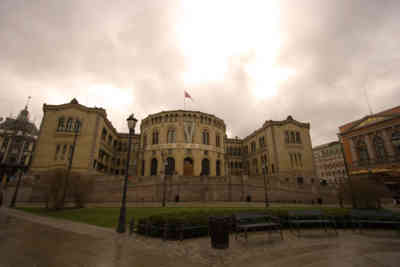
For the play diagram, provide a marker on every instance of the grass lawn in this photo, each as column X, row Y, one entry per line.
column 108, row 217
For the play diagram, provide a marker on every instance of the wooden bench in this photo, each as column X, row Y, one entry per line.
column 362, row 218
column 182, row 228
column 307, row 217
column 245, row 222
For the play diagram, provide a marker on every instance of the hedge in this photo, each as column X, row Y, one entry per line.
column 196, row 221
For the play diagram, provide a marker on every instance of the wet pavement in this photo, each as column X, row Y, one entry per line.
column 30, row 240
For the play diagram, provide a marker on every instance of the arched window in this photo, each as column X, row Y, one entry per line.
column 206, row 138
column 77, row 125
column 153, row 167
column 64, row 151
column 155, row 137
column 69, row 124
column 379, row 147
column 171, row 136
column 255, row 167
column 60, row 126
column 57, row 151
column 395, row 141
column 362, row 151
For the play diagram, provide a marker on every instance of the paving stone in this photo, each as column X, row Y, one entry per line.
column 30, row 240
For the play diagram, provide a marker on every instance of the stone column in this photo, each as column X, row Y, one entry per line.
column 386, row 135
column 354, row 155
column 370, row 147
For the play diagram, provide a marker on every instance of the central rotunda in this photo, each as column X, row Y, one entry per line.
column 189, row 143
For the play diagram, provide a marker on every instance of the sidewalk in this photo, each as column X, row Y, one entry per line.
column 28, row 239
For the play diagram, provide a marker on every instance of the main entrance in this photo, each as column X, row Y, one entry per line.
column 188, row 167
column 170, row 167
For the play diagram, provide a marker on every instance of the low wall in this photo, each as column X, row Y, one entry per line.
column 196, row 189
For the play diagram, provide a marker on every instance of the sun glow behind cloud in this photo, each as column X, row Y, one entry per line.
column 213, row 34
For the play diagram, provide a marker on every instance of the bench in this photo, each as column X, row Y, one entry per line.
column 377, row 217
column 182, row 228
column 244, row 222
column 307, row 217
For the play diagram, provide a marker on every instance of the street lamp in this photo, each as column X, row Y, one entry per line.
column 164, row 161
column 14, row 198
column 353, row 199
column 122, row 215
column 76, row 130
column 265, row 169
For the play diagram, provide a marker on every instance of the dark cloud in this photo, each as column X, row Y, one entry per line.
column 125, row 57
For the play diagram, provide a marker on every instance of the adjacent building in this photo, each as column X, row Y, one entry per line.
column 329, row 162
column 176, row 142
column 17, row 140
column 372, row 147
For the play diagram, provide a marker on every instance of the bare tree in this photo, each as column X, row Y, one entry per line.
column 53, row 183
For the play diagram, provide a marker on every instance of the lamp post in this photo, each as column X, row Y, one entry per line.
column 122, row 215
column 265, row 169
column 14, row 198
column 165, row 163
column 353, row 199
column 76, row 130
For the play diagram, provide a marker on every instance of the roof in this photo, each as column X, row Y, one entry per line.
column 389, row 113
column 326, row 145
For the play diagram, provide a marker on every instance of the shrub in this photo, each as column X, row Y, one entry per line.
column 53, row 182
column 81, row 187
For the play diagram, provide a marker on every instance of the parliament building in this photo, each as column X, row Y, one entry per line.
column 176, row 143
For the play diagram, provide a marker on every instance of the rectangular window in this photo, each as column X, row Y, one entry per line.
column 298, row 139
column 253, row 147
column 217, row 141
column 287, row 137
column 292, row 138
column 291, row 160
column 300, row 161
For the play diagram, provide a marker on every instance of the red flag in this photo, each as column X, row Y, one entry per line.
column 188, row 96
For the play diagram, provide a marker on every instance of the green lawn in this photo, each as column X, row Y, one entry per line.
column 108, row 217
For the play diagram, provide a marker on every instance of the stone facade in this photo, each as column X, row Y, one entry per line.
column 99, row 147
column 372, row 148
column 189, row 143
column 172, row 144
column 329, row 162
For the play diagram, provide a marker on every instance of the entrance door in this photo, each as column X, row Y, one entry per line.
column 170, row 167
column 188, row 167
column 218, row 168
column 205, row 167
column 153, row 167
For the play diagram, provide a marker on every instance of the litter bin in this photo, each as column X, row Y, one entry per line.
column 219, row 228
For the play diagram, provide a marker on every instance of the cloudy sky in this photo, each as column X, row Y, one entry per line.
column 243, row 61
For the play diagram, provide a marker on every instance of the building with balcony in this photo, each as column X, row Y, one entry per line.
column 372, row 147
column 17, row 140
column 329, row 162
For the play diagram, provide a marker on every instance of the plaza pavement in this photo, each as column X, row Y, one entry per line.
column 30, row 240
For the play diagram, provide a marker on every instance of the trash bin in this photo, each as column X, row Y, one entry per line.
column 219, row 228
